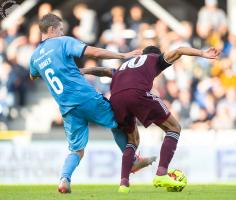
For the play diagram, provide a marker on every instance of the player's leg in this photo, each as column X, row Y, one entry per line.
column 172, row 129
column 70, row 164
column 128, row 156
column 120, row 138
column 102, row 114
column 154, row 110
column 76, row 129
column 169, row 145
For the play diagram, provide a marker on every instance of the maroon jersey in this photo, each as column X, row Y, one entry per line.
column 138, row 73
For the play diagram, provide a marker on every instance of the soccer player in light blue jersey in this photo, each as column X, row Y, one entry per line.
column 79, row 103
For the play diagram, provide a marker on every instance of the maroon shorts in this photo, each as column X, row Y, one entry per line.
column 132, row 103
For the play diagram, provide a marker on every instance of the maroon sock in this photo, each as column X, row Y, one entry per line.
column 167, row 152
column 127, row 163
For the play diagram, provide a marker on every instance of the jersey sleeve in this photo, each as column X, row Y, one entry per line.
column 163, row 64
column 33, row 71
column 74, row 48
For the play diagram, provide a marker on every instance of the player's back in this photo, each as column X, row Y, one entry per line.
column 136, row 73
column 53, row 60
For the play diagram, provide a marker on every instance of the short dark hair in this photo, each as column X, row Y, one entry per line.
column 49, row 20
column 152, row 49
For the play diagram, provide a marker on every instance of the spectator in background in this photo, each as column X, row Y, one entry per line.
column 185, row 39
column 17, row 83
column 184, row 72
column 182, row 107
column 201, row 119
column 223, row 117
column 25, row 48
column 183, row 67
column 44, row 9
column 135, row 17
column 146, row 36
column 217, row 89
column 172, row 91
column 225, row 72
column 6, row 99
column 200, row 92
column 134, row 21
column 12, row 33
column 226, row 112
column 162, row 31
column 211, row 19
column 86, row 30
column 210, row 104
column 112, row 38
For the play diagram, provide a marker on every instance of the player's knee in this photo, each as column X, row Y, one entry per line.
column 137, row 141
column 174, row 127
column 133, row 139
column 81, row 153
column 177, row 128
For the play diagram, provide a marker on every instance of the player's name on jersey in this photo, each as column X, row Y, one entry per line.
column 45, row 63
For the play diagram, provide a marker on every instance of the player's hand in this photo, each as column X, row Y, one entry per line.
column 134, row 53
column 211, row 53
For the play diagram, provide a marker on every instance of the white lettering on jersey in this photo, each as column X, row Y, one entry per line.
column 45, row 63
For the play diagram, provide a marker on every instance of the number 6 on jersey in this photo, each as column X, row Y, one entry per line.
column 54, row 81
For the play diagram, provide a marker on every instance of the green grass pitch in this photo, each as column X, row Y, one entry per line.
column 109, row 192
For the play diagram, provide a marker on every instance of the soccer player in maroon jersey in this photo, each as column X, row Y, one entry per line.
column 131, row 98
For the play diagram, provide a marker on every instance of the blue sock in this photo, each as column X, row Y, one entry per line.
column 120, row 138
column 70, row 163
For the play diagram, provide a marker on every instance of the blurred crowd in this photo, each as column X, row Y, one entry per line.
column 200, row 93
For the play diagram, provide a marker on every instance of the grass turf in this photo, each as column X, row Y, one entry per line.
column 109, row 192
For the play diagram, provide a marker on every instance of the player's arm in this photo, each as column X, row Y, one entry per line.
column 171, row 56
column 98, row 71
column 34, row 74
column 105, row 54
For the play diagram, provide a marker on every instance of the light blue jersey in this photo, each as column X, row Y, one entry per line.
column 79, row 102
column 53, row 60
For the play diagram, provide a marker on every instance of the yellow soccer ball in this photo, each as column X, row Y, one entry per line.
column 177, row 175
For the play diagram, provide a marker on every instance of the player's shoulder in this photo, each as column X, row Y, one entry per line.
column 61, row 39
column 35, row 53
column 33, row 57
column 71, row 40
column 67, row 39
column 152, row 56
